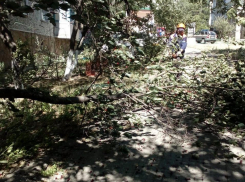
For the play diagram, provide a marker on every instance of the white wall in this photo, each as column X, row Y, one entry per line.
column 64, row 25
column 35, row 23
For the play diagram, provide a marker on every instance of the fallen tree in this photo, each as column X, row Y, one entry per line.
column 42, row 96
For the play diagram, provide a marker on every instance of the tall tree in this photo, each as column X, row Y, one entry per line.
column 170, row 13
column 102, row 18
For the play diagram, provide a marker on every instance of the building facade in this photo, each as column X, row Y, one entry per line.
column 36, row 29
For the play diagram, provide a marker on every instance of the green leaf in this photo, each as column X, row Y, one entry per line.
column 111, row 106
column 241, row 125
column 4, row 15
column 112, row 43
column 99, row 1
column 124, row 57
column 3, row 162
column 157, row 67
column 137, row 62
column 48, row 15
column 157, row 99
column 72, row 2
column 196, row 120
column 107, row 27
column 41, row 6
column 140, row 51
column 76, row 17
column 64, row 6
column 52, row 20
column 12, row 5
column 25, row 9
column 127, row 75
column 128, row 135
column 18, row 13
column 202, row 72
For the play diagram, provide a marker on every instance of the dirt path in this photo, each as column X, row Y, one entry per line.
column 163, row 150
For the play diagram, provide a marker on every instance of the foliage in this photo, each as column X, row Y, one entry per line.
column 223, row 26
column 50, row 170
column 235, row 10
column 170, row 13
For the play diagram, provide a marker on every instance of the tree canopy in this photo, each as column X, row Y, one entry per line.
column 170, row 13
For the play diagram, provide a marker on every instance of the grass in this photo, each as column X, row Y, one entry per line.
column 51, row 170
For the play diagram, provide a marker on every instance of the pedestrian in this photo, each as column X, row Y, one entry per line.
column 178, row 41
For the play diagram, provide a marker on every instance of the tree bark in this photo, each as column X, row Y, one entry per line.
column 71, row 63
column 35, row 94
column 8, row 40
column 7, row 37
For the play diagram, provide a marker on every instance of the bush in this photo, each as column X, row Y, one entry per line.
column 223, row 26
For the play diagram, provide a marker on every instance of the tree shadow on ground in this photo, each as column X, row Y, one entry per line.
column 159, row 151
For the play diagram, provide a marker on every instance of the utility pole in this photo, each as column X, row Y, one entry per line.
column 210, row 12
column 238, row 26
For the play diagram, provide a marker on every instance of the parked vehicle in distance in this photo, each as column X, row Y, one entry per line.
column 205, row 36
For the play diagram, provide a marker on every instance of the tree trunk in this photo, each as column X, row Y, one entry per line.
column 38, row 95
column 7, row 37
column 210, row 13
column 8, row 40
column 71, row 63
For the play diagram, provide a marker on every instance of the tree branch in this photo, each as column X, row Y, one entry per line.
column 42, row 96
column 35, row 94
column 127, row 7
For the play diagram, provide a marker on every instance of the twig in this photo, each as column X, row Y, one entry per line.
column 86, row 92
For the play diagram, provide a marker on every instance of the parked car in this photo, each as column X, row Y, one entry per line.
column 205, row 36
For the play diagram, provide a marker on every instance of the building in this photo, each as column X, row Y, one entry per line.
column 38, row 31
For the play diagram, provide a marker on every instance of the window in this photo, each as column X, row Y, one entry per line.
column 204, row 32
column 197, row 33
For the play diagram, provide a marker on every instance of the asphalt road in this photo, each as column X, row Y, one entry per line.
column 195, row 49
column 218, row 45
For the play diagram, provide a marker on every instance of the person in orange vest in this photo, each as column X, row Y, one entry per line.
column 178, row 41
